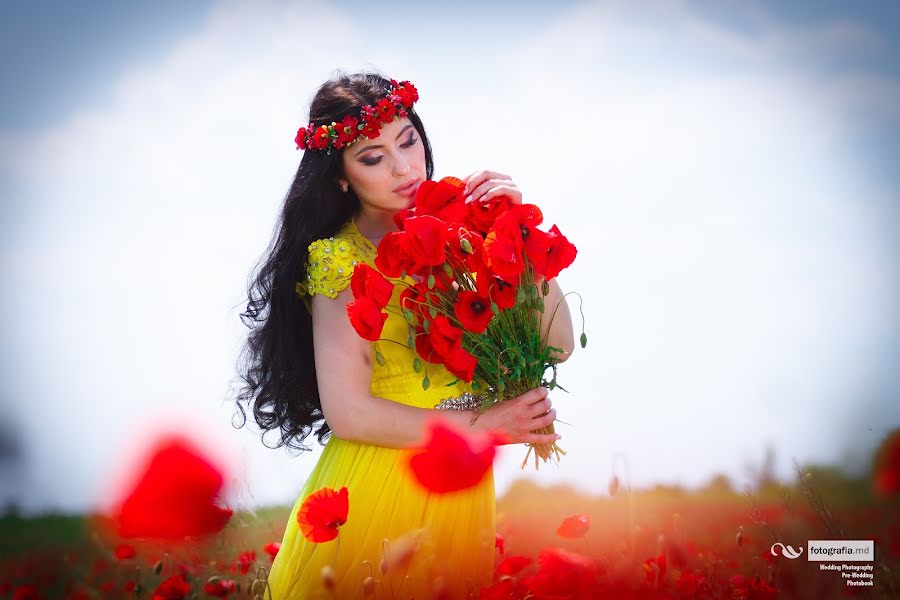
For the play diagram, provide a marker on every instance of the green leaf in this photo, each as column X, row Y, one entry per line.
column 417, row 365
column 431, row 281
column 545, row 287
column 452, row 382
column 379, row 358
column 425, row 383
column 583, row 340
column 448, row 270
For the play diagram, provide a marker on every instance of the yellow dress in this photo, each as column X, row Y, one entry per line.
column 454, row 533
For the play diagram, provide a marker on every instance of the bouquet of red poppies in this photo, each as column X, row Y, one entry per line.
column 474, row 307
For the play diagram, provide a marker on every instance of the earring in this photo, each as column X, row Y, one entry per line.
column 344, row 187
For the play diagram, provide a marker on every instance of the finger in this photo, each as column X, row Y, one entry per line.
column 478, row 177
column 473, row 180
column 535, row 395
column 539, row 408
column 540, row 438
column 479, row 189
column 513, row 193
column 546, row 420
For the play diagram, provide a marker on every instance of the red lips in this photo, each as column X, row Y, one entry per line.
column 405, row 187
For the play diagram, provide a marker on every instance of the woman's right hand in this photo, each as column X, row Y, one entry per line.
column 517, row 418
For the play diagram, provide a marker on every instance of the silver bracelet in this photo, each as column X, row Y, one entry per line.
column 466, row 401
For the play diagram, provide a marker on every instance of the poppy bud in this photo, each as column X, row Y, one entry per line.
column 328, row 577
column 368, row 585
column 613, row 485
column 384, row 567
column 157, row 568
column 466, row 246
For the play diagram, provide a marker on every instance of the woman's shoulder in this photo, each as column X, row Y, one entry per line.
column 331, row 261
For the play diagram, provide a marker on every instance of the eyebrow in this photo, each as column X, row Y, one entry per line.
column 380, row 145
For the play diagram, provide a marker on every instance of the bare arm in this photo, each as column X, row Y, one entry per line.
column 559, row 332
column 344, row 372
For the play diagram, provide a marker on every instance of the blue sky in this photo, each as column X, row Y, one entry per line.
column 727, row 169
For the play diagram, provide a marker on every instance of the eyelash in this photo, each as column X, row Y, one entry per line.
column 409, row 144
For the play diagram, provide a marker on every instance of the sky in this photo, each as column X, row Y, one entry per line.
column 727, row 171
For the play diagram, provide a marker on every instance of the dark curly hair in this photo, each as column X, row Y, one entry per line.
column 276, row 366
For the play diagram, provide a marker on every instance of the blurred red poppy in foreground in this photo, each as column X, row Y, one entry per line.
column 886, row 471
column 174, row 496
column 322, row 512
column 451, row 461
column 574, row 527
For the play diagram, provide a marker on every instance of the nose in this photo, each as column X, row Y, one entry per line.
column 401, row 166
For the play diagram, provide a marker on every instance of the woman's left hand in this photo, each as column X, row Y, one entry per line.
column 484, row 185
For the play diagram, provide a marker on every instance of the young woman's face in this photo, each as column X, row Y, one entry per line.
column 377, row 169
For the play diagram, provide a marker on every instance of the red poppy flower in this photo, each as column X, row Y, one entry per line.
column 574, row 527
column 425, row 349
column 322, row 513
column 473, row 310
column 452, row 461
column 272, row 549
column 320, row 138
column 500, row 292
column 367, row 318
column 371, row 129
column 124, row 552
column 484, row 213
column 504, row 255
column 460, row 236
column 244, row 561
column 174, row 496
column 401, row 215
column 559, row 254
column 366, row 281
column 445, row 338
column 346, row 130
column 513, row 564
column 461, row 363
column 173, row 588
column 406, row 92
column 886, row 471
column 395, row 255
column 386, row 110
column 563, row 574
column 521, row 222
column 426, row 239
column 220, row 588
column 442, row 199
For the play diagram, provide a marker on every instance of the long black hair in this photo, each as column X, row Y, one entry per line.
column 276, row 365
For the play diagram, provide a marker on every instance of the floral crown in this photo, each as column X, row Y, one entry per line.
column 399, row 98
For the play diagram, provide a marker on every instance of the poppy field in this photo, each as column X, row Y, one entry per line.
column 662, row 542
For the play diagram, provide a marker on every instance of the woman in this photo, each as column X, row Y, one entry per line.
column 307, row 367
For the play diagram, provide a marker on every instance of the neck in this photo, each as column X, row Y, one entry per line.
column 374, row 224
